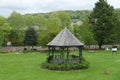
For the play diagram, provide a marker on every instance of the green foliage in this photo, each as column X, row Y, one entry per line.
column 17, row 25
column 65, row 64
column 83, row 14
column 16, row 37
column 47, row 37
column 115, row 38
column 16, row 21
column 4, row 30
column 65, row 19
column 31, row 37
column 40, row 21
column 84, row 33
column 56, row 22
column 103, row 21
column 51, row 23
column 65, row 67
column 29, row 20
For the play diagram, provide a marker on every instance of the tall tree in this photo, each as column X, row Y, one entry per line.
column 17, row 24
column 4, row 30
column 31, row 37
column 103, row 21
column 116, row 31
column 40, row 24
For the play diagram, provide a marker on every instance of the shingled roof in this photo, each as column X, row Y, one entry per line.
column 65, row 38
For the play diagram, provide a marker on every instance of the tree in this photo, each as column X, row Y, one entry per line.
column 65, row 19
column 17, row 24
column 40, row 23
column 4, row 30
column 40, row 20
column 84, row 33
column 30, row 38
column 16, row 37
column 54, row 23
column 29, row 20
column 16, row 20
column 116, row 31
column 53, row 28
column 103, row 21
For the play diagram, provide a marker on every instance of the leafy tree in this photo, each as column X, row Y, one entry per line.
column 4, row 30
column 16, row 37
column 17, row 24
column 40, row 23
column 53, row 28
column 65, row 19
column 29, row 20
column 31, row 37
column 84, row 33
column 54, row 23
column 103, row 21
column 16, row 20
column 40, row 20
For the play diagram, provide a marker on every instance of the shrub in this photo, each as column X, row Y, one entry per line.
column 49, row 59
column 65, row 67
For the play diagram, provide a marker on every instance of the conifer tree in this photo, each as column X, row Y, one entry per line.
column 30, row 38
column 103, row 21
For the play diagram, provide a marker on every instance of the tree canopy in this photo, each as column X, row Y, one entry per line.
column 4, row 30
column 84, row 33
column 103, row 21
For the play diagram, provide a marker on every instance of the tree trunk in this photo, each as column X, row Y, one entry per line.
column 100, row 46
column 89, row 46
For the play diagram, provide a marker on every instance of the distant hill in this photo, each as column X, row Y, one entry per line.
column 77, row 14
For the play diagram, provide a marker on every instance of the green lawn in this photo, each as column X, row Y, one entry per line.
column 27, row 67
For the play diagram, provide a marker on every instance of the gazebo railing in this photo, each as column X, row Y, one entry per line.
column 58, row 59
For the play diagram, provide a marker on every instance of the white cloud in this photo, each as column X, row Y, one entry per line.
column 34, row 6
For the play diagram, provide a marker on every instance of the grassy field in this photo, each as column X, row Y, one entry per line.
column 103, row 66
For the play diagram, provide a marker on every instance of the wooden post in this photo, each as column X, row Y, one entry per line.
column 62, row 54
column 80, row 52
column 67, row 53
column 48, row 51
column 52, row 51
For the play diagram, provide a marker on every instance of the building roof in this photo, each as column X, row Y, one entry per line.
column 65, row 38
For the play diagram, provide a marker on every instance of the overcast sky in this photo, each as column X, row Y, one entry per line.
column 39, row 6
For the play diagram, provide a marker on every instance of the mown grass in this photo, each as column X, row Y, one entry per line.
column 104, row 65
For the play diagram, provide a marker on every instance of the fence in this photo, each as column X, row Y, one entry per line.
column 38, row 48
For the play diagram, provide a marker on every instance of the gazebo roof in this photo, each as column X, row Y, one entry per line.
column 65, row 38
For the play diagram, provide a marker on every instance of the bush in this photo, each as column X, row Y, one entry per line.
column 65, row 67
column 3, row 52
column 49, row 59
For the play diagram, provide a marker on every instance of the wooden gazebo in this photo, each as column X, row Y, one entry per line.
column 64, row 40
